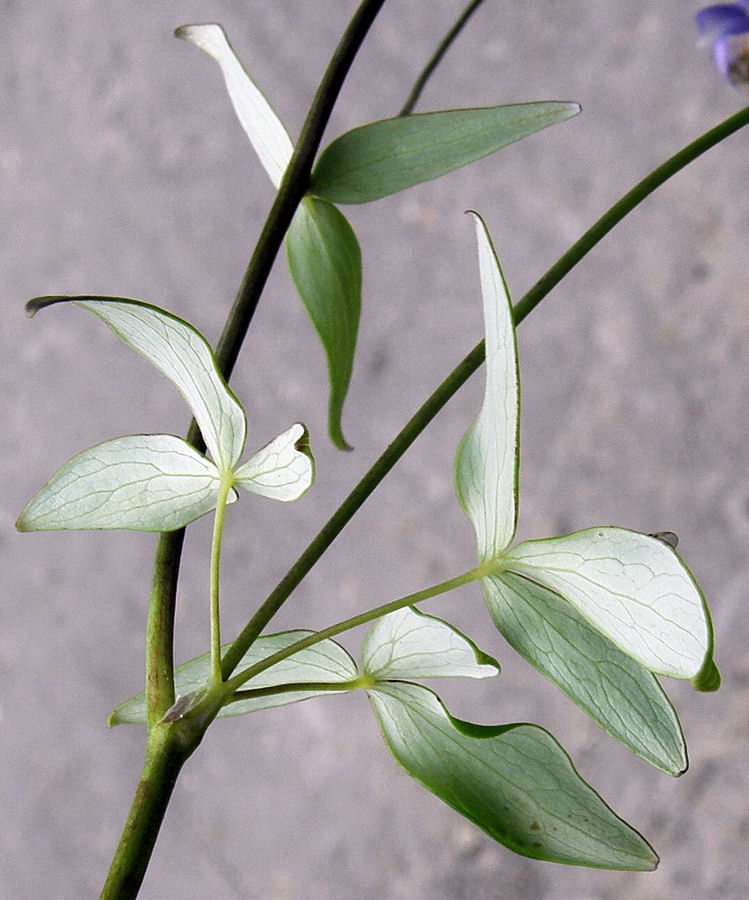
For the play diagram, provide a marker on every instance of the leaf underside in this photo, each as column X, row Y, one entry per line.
column 515, row 782
column 325, row 263
column 385, row 157
column 282, row 470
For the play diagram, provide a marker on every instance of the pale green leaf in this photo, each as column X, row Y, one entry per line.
column 325, row 263
column 325, row 662
column 620, row 694
column 265, row 130
column 409, row 644
column 486, row 468
column 515, row 782
column 283, row 470
column 632, row 587
column 384, row 157
column 184, row 356
column 150, row 482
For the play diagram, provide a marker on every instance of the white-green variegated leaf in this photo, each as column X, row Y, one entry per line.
column 486, row 469
column 407, row 644
column 326, row 662
column 265, row 130
column 151, row 482
column 283, row 470
column 632, row 587
column 181, row 353
column 514, row 781
column 611, row 687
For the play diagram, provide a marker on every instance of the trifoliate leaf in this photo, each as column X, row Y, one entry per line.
column 408, row 644
column 385, row 157
column 150, row 482
column 181, row 353
column 325, row 662
column 486, row 469
column 620, row 694
column 632, row 587
column 325, row 263
column 514, row 781
column 283, row 470
column 265, row 130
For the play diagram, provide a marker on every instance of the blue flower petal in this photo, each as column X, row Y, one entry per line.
column 715, row 21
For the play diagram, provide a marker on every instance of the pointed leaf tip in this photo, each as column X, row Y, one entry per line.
column 180, row 353
column 487, row 463
column 708, row 679
column 265, row 130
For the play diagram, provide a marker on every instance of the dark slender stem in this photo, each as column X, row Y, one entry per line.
column 413, row 97
column 459, row 376
column 159, row 666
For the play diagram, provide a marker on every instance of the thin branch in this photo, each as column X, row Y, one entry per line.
column 413, row 97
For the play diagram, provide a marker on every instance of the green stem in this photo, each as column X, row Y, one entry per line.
column 347, row 624
column 159, row 654
column 295, row 688
column 218, row 536
column 459, row 376
column 436, row 58
column 167, row 752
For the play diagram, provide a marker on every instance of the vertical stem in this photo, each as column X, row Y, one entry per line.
column 165, row 756
column 218, row 536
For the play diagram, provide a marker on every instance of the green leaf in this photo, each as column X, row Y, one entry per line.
column 632, row 587
column 620, row 694
column 184, row 356
column 385, row 157
column 325, row 263
column 323, row 662
column 283, row 470
column 265, row 130
column 152, row 482
column 487, row 464
column 408, row 644
column 515, row 782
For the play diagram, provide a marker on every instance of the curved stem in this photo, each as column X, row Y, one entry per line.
column 296, row 687
column 347, row 624
column 159, row 654
column 460, row 375
column 413, row 97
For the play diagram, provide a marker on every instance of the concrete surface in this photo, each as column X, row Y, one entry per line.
column 123, row 171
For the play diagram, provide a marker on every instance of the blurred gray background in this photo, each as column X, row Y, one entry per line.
column 124, row 171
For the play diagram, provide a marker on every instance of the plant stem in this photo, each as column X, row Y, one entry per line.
column 295, row 688
column 460, row 375
column 426, row 73
column 159, row 654
column 347, row 624
column 166, row 754
column 218, row 536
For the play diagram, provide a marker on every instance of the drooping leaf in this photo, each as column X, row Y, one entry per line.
column 620, row 694
column 181, row 353
column 325, row 263
column 385, row 157
column 632, row 587
column 265, row 130
column 283, row 470
column 514, row 781
column 324, row 662
column 486, row 469
column 408, row 644
column 149, row 482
